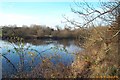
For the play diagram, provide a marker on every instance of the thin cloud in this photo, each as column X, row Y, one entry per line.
column 19, row 20
column 7, row 19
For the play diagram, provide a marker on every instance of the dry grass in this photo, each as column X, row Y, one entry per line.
column 99, row 56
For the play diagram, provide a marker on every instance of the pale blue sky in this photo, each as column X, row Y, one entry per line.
column 43, row 13
column 36, row 8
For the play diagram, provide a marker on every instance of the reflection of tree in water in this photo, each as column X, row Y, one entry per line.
column 22, row 52
column 65, row 42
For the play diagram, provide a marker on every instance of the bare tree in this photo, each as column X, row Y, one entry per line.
column 108, row 14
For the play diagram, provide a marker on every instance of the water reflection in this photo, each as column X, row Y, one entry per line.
column 24, row 58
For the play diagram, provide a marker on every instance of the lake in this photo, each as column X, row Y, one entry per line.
column 24, row 57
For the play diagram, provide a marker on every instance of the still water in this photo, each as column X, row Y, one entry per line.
column 29, row 54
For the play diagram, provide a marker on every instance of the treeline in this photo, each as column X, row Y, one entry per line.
column 42, row 32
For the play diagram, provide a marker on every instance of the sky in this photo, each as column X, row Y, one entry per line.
column 40, row 13
column 44, row 13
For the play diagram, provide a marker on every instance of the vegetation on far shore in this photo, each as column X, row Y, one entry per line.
column 42, row 32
